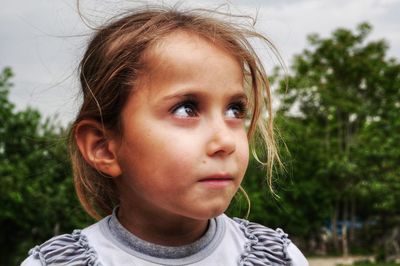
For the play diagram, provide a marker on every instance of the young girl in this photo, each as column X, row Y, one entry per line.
column 160, row 146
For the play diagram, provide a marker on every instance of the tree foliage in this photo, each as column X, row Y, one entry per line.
column 36, row 189
column 340, row 117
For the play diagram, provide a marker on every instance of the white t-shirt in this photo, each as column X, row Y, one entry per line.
column 226, row 242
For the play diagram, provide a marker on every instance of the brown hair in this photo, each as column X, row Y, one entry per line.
column 113, row 62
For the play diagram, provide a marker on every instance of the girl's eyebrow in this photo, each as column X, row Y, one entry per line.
column 201, row 94
column 240, row 96
column 185, row 95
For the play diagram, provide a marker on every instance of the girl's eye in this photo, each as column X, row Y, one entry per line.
column 236, row 110
column 187, row 109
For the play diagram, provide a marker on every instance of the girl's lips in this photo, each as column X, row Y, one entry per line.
column 217, row 177
column 217, row 181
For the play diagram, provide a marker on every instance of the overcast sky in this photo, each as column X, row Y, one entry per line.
column 42, row 40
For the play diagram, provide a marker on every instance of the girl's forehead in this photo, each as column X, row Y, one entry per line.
column 185, row 48
column 169, row 48
column 190, row 60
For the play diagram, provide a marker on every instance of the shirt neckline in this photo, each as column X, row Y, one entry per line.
column 165, row 255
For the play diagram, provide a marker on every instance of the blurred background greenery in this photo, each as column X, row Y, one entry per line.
column 338, row 124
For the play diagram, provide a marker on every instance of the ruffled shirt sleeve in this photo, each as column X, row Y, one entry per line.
column 71, row 249
column 265, row 246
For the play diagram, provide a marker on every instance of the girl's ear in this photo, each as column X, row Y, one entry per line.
column 97, row 147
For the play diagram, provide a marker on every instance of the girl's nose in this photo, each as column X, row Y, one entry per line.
column 222, row 140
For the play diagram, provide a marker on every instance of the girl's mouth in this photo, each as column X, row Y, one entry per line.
column 217, row 181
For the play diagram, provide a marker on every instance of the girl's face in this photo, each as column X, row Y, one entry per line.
column 184, row 148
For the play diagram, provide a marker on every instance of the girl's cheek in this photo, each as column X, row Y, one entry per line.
column 182, row 160
column 245, row 162
column 245, row 156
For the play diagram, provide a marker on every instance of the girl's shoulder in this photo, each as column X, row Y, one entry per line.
column 266, row 246
column 63, row 249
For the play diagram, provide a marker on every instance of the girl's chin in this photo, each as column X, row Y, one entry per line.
column 211, row 212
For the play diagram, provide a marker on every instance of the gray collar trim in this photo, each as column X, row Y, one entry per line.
column 165, row 255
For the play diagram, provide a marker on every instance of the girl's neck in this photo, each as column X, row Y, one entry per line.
column 166, row 230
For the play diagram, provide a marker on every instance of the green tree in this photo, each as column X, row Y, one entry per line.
column 340, row 118
column 36, row 189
